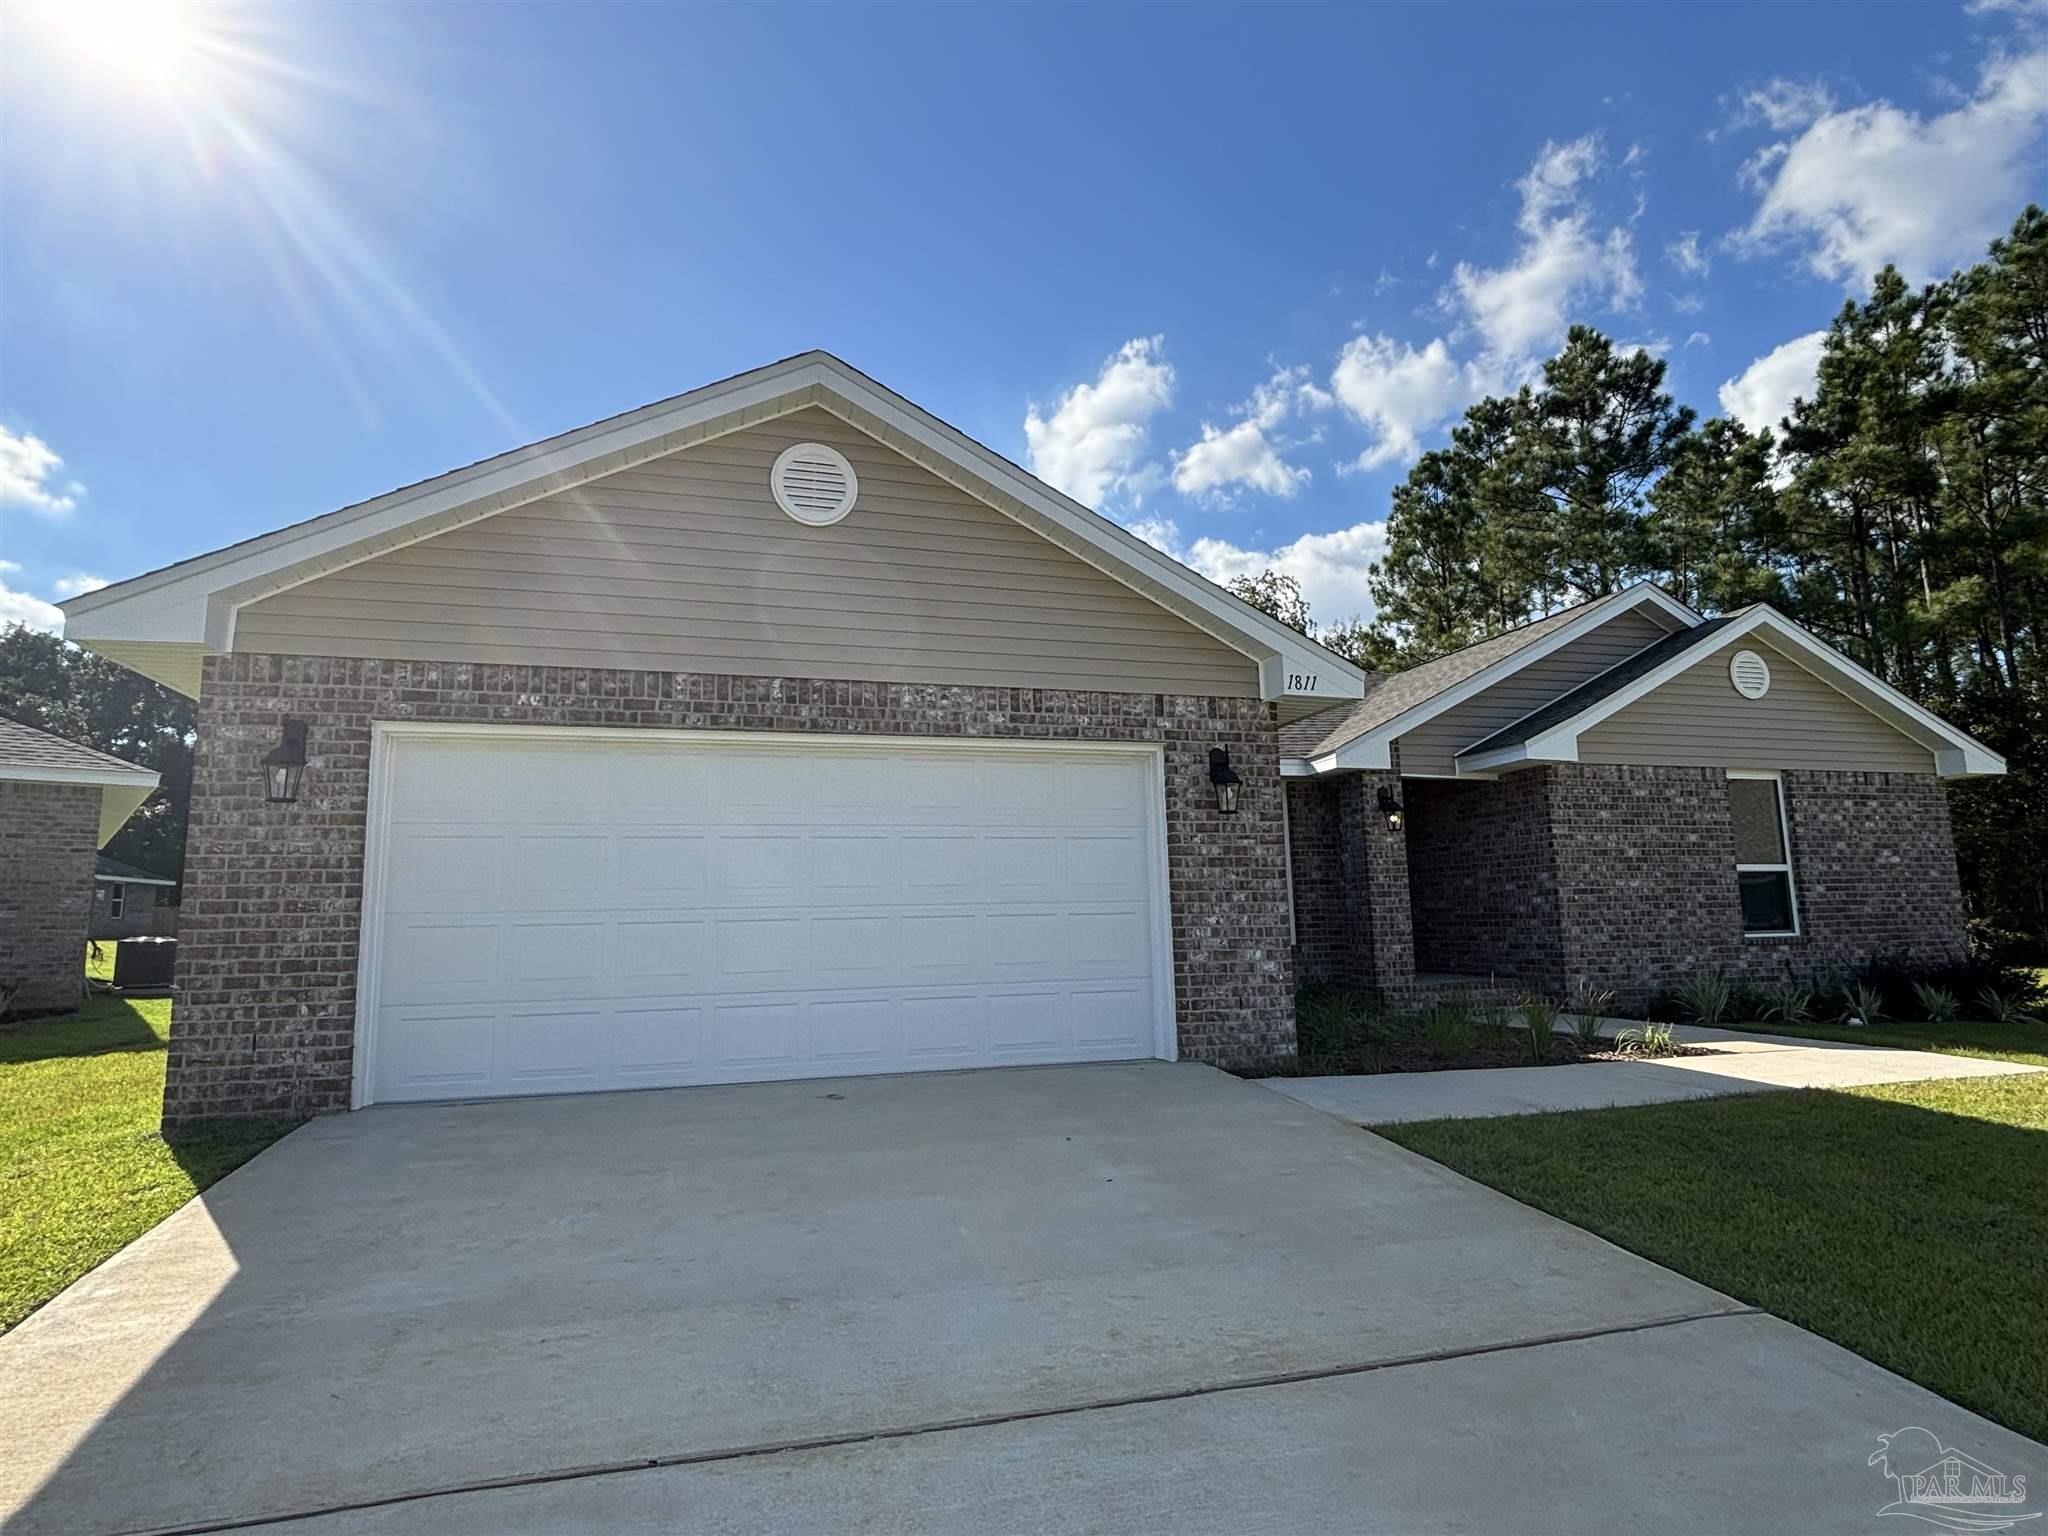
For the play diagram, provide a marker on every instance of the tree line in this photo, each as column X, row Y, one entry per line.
column 1900, row 513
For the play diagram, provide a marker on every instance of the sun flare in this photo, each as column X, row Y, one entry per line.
column 155, row 45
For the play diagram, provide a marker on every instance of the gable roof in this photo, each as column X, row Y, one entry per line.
column 164, row 623
column 1551, row 734
column 114, row 872
column 30, row 756
column 1360, row 735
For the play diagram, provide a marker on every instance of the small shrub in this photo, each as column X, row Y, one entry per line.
column 1447, row 1027
column 1862, row 1003
column 1539, row 1013
column 1648, row 1039
column 1705, row 999
column 2001, row 1008
column 1937, row 1003
column 1493, row 1025
column 1789, row 1005
column 1590, row 1008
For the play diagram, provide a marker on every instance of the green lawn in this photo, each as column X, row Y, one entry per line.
column 1905, row 1222
column 82, row 1169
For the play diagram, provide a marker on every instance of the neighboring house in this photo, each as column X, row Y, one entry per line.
column 780, row 730
column 59, row 803
column 123, row 899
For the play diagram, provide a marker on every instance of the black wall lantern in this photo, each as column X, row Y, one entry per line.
column 1390, row 807
column 285, row 767
column 1225, row 778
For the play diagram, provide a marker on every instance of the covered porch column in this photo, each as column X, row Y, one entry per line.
column 1374, row 858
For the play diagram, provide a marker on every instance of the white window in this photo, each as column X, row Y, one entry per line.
column 1763, row 855
column 117, row 900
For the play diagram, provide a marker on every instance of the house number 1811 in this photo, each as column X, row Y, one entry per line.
column 1301, row 682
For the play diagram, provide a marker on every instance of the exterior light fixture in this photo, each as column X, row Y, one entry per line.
column 1390, row 807
column 285, row 766
column 1225, row 778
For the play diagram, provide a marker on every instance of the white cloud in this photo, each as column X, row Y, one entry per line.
column 1563, row 263
column 71, row 586
column 1699, row 339
column 1093, row 445
column 1685, row 254
column 1247, row 454
column 26, row 608
column 1782, row 105
column 1399, row 392
column 1331, row 567
column 1762, row 394
column 28, row 475
column 1873, row 184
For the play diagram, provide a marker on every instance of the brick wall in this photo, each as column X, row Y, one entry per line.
column 273, row 893
column 1482, row 879
column 1647, row 891
column 49, row 834
column 1325, row 949
column 137, row 908
column 1375, row 863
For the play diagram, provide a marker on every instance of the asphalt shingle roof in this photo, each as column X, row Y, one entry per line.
column 1388, row 694
column 23, row 746
column 1593, row 690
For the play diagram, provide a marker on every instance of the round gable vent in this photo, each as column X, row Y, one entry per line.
column 1750, row 674
column 813, row 484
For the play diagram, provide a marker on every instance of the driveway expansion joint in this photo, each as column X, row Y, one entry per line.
column 939, row 1426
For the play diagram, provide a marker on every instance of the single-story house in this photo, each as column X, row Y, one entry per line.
column 123, row 899
column 781, row 730
column 59, row 804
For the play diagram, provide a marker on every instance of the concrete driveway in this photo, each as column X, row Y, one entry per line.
column 1091, row 1298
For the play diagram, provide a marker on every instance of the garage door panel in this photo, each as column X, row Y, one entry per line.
column 762, row 953
column 660, row 955
column 556, row 958
column 659, row 1040
column 436, row 871
column 758, row 869
column 434, row 963
column 556, row 869
column 660, row 868
column 554, row 1044
column 850, row 869
column 590, row 913
column 757, row 1034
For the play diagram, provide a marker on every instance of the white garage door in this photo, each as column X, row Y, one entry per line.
column 563, row 911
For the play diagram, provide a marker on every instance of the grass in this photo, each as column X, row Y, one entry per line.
column 83, row 1171
column 2026, row 1043
column 1903, row 1222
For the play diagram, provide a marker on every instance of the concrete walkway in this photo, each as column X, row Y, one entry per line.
column 1743, row 1063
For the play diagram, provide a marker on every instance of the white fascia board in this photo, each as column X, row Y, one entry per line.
column 194, row 602
column 111, row 777
column 1956, row 755
column 1296, row 768
column 1370, row 749
column 131, row 880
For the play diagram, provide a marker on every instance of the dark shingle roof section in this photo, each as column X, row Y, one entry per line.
column 1612, row 681
column 23, row 746
column 104, row 868
column 1389, row 694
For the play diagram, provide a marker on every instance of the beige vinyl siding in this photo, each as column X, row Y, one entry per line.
column 1698, row 720
column 687, row 564
column 1433, row 746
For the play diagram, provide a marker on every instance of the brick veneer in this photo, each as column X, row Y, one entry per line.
column 1482, row 879
column 1645, row 860
column 48, row 836
column 273, row 893
column 1325, row 948
column 1375, row 861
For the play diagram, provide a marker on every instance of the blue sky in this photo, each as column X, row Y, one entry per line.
column 1219, row 272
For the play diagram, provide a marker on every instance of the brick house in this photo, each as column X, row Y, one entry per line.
column 59, row 804
column 781, row 730
column 123, row 899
